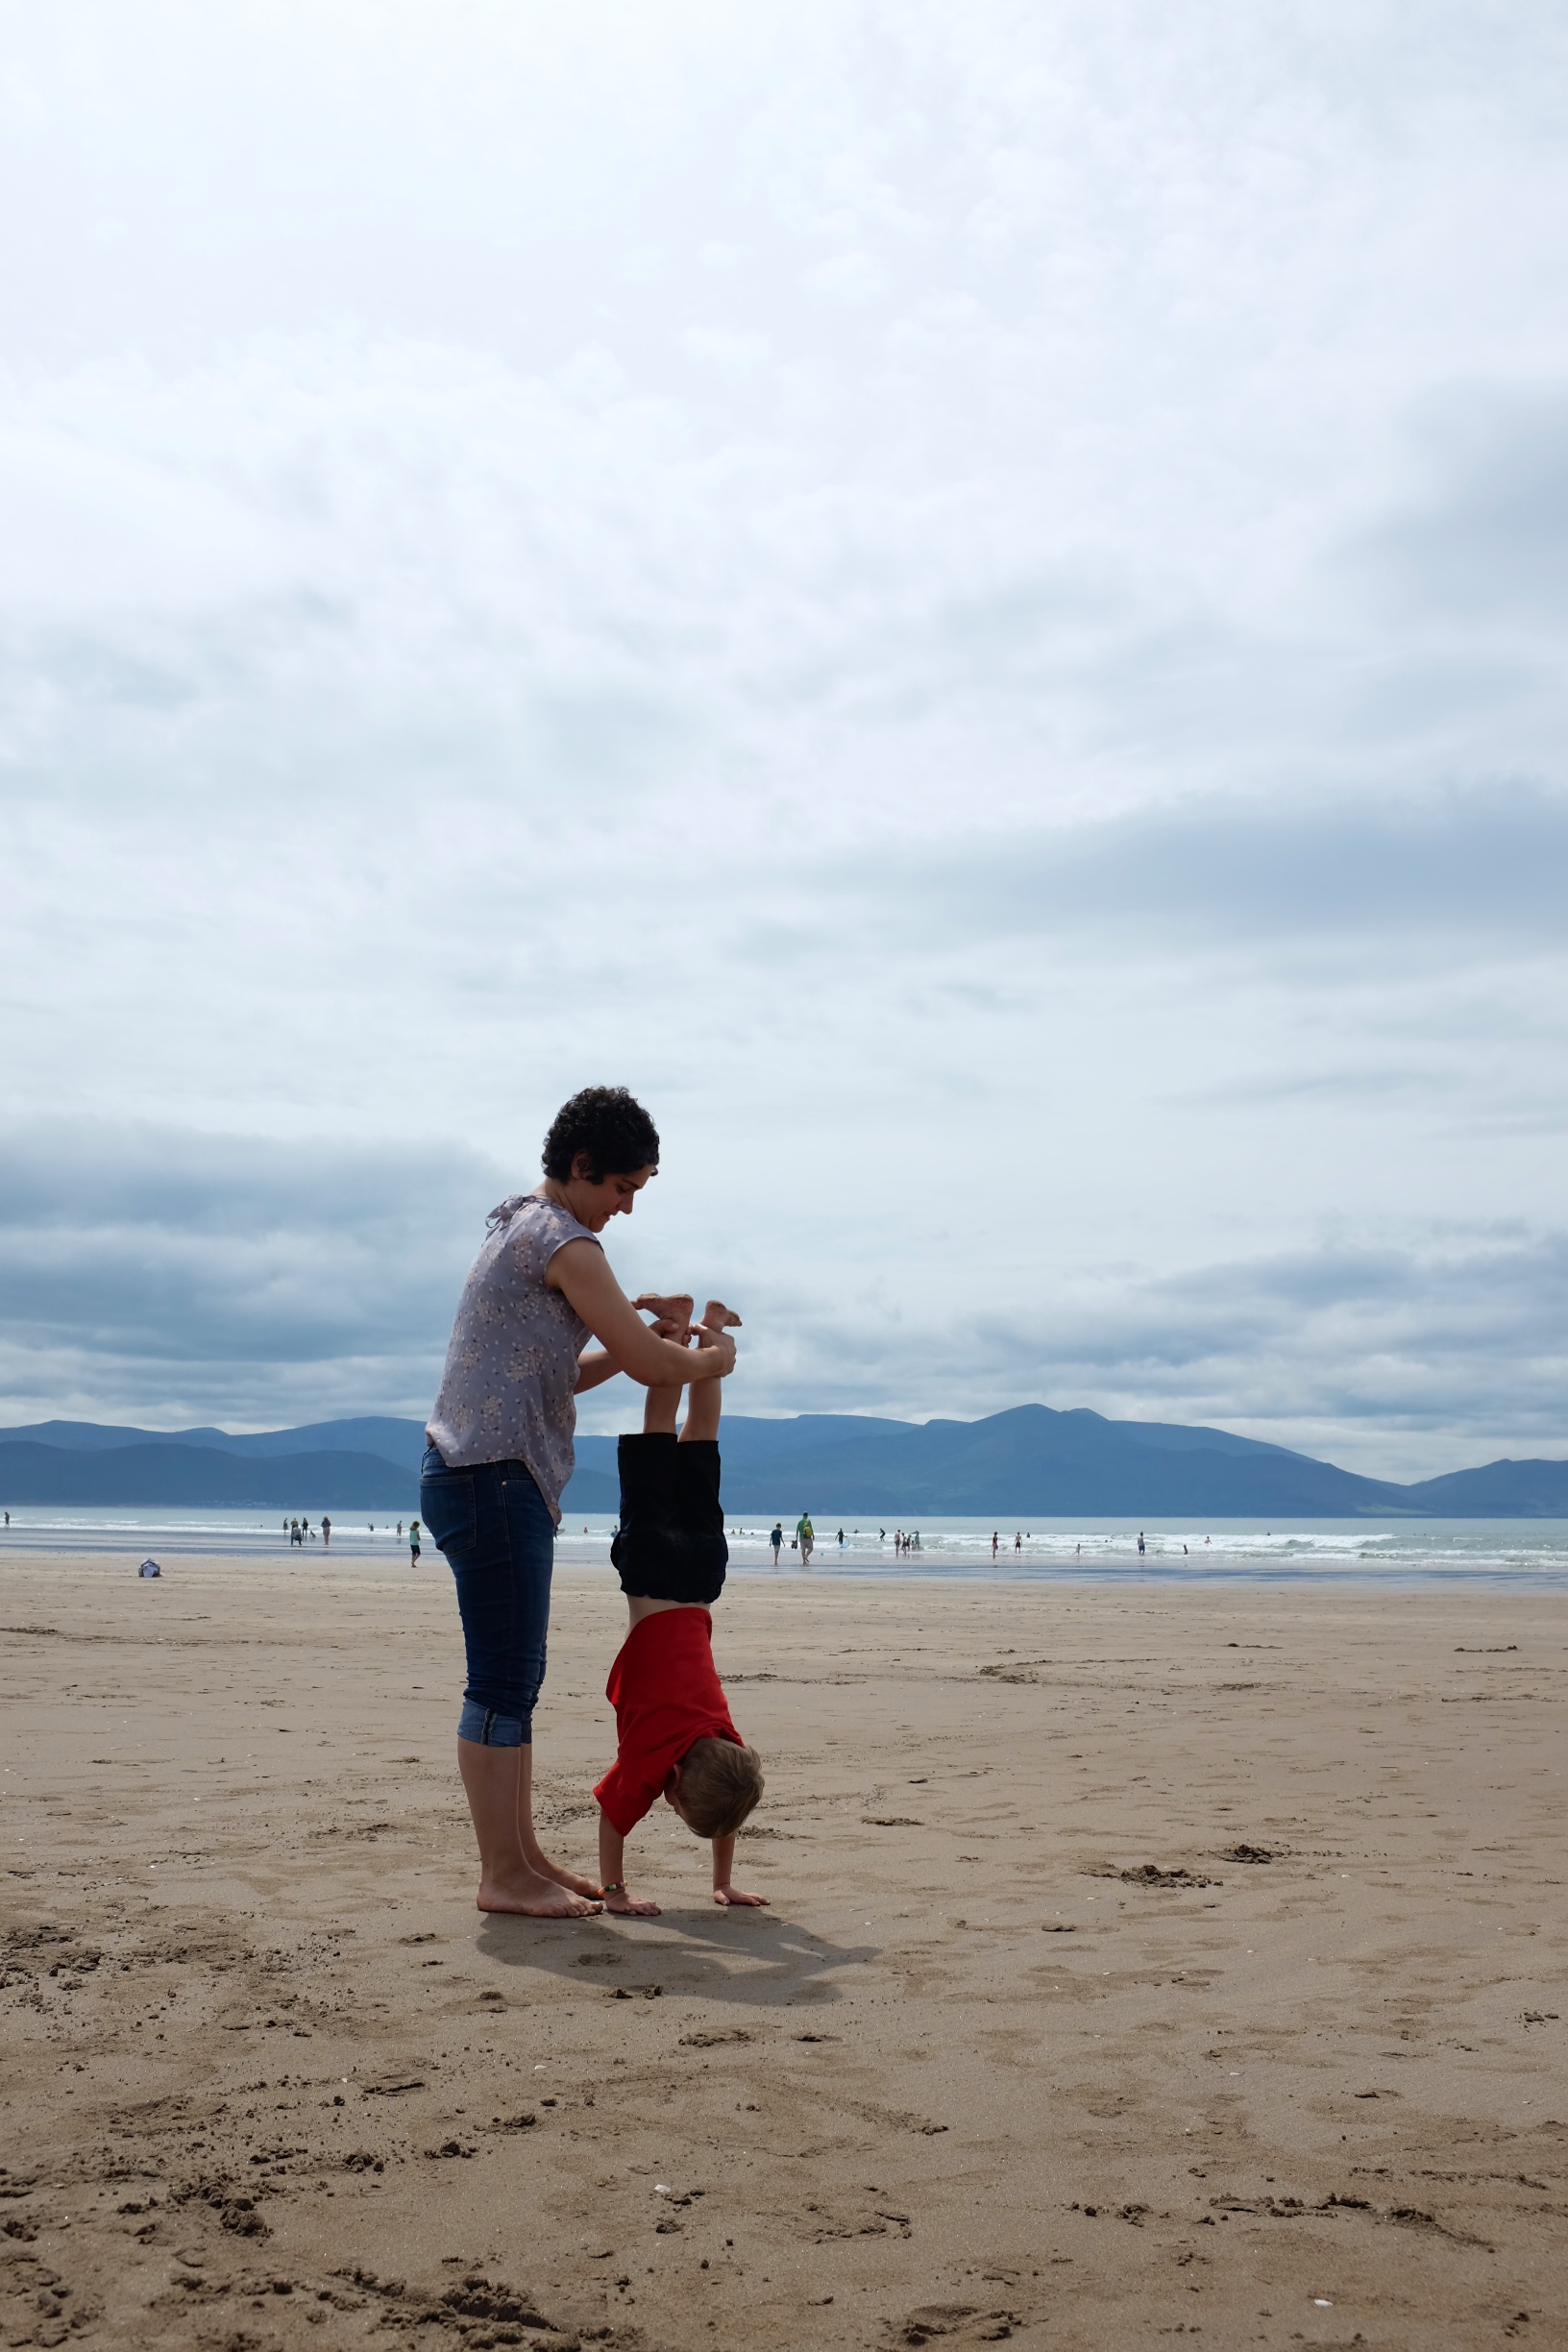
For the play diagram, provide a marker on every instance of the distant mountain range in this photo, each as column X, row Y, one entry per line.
column 1027, row 1462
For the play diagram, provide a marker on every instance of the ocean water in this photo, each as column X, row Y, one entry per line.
column 1520, row 1553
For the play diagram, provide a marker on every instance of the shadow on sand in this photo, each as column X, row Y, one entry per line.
column 753, row 1958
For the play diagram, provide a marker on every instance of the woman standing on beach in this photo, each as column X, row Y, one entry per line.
column 500, row 1453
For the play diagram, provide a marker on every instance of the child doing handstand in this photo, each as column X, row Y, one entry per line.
column 674, row 1735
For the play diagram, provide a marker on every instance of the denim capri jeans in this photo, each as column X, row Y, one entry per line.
column 495, row 1528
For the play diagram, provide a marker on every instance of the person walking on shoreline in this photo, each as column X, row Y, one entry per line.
column 500, row 1453
column 776, row 1540
column 805, row 1538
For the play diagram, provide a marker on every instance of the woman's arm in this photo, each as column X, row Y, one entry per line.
column 595, row 1366
column 581, row 1272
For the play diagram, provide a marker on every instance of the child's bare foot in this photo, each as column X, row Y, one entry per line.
column 630, row 1906
column 726, row 1896
column 535, row 1897
column 673, row 1316
column 717, row 1317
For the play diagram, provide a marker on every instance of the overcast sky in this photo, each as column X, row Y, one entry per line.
column 970, row 600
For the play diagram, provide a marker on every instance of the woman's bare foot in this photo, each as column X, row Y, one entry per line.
column 673, row 1316
column 563, row 1877
column 535, row 1897
column 630, row 1906
column 717, row 1316
column 726, row 1896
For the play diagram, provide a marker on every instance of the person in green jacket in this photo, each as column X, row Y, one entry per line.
column 806, row 1537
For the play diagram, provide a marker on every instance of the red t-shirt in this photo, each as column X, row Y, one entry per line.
column 667, row 1695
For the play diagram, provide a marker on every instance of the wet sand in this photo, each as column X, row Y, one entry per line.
column 1034, row 2042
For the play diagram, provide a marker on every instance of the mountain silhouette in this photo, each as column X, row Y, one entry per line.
column 1030, row 1460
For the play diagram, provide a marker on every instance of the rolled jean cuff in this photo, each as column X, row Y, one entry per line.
column 487, row 1727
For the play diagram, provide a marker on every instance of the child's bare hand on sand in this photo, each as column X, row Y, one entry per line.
column 726, row 1897
column 628, row 1906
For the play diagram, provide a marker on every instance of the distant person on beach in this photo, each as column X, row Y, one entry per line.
column 499, row 1453
column 296, row 1534
column 413, row 1541
column 840, row 1539
column 1140, row 1543
column 325, row 1530
column 673, row 1734
column 776, row 1538
column 994, row 1539
column 806, row 1538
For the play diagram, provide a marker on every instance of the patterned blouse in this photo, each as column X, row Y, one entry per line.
column 507, row 1393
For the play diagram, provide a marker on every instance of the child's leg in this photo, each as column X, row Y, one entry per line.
column 672, row 1319
column 661, row 1407
column 703, row 1401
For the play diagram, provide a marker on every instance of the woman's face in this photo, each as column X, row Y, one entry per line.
column 595, row 1204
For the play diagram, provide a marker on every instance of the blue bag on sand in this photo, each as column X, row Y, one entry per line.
column 148, row 1568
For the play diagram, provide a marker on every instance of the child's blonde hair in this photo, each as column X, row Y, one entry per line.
column 720, row 1784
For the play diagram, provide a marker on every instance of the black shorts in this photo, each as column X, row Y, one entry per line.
column 670, row 1545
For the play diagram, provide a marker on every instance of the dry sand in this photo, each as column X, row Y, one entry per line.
column 271, row 2081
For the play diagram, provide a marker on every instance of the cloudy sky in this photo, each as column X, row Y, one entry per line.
column 971, row 600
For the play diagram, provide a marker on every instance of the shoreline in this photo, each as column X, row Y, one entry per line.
column 1483, row 1554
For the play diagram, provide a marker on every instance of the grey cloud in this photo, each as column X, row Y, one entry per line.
column 174, row 1278
column 1465, row 1100
column 1479, row 871
column 1490, row 538
column 181, row 1273
column 1401, row 1361
column 178, row 1180
column 1357, row 1087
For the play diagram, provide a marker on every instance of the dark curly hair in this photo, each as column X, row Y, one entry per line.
column 610, row 1126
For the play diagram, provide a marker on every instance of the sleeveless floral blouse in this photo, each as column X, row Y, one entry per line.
column 507, row 1393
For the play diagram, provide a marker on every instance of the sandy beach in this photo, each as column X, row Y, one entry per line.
column 1140, row 1963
